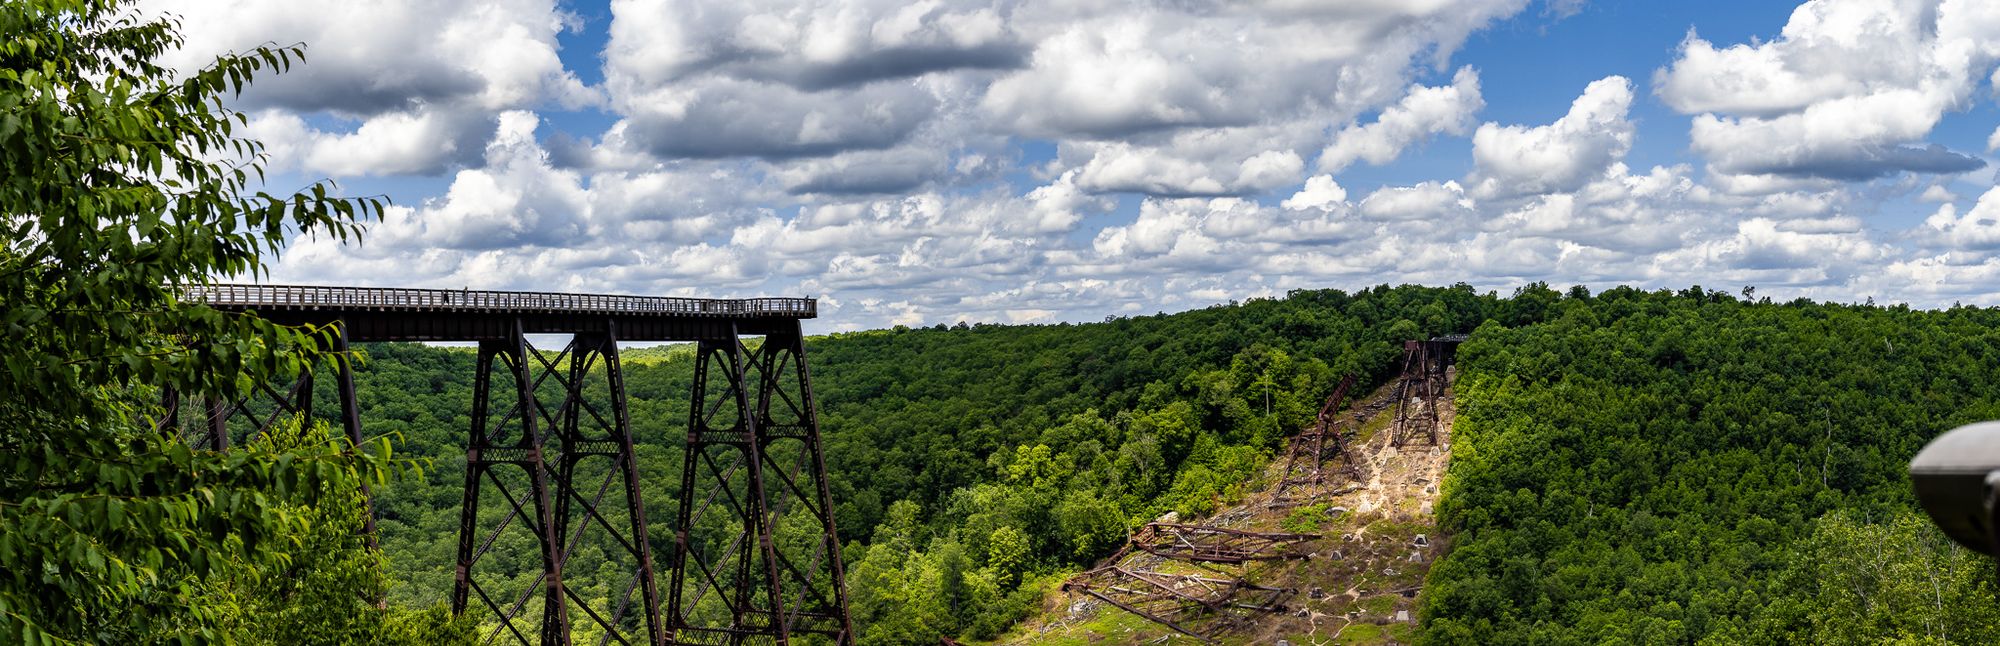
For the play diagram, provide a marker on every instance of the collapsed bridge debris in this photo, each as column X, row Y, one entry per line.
column 1196, row 579
column 1196, row 606
column 1203, row 544
column 1306, row 472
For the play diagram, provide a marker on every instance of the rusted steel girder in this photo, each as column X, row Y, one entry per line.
column 753, row 446
column 1417, row 393
column 1312, row 449
column 224, row 421
column 559, row 450
column 506, row 448
column 1197, row 606
column 599, row 438
column 1205, row 544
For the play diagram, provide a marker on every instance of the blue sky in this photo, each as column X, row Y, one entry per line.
column 1036, row 161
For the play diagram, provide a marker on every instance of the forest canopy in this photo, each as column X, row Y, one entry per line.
column 1678, row 467
column 1631, row 466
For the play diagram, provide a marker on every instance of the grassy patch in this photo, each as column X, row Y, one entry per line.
column 1307, row 519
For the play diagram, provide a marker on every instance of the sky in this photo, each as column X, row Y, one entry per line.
column 1035, row 161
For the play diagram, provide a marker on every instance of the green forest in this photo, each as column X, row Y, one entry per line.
column 971, row 466
column 1680, row 467
column 1631, row 466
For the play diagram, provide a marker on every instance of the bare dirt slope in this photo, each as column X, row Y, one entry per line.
column 1362, row 582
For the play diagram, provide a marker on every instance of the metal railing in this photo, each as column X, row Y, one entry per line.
column 401, row 299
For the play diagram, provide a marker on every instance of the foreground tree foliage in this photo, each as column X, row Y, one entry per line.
column 1895, row 580
column 120, row 186
column 328, row 588
column 1682, row 467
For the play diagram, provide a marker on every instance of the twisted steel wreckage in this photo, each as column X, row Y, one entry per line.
column 544, row 423
column 1319, row 464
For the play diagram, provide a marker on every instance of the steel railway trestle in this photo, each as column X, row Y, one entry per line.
column 551, row 440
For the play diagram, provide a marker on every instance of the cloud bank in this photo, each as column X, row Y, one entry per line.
column 1028, row 160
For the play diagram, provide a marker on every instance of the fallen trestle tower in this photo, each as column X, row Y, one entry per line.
column 1307, row 473
column 1179, row 601
column 550, row 439
column 1198, row 605
column 1204, row 544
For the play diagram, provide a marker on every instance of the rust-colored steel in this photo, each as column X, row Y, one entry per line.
column 1311, row 450
column 588, row 440
column 350, row 419
column 1423, row 382
column 1206, row 544
column 1413, row 417
column 1197, row 606
column 764, row 566
column 390, row 314
column 1417, row 391
column 256, row 412
column 596, row 436
column 510, row 448
column 248, row 416
column 736, row 586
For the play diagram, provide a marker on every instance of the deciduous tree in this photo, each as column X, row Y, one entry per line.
column 122, row 185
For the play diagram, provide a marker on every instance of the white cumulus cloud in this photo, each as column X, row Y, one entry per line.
column 420, row 83
column 1563, row 155
column 1849, row 91
column 1976, row 229
column 1423, row 112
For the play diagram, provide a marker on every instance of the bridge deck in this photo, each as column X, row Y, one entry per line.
column 397, row 314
